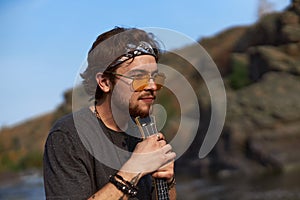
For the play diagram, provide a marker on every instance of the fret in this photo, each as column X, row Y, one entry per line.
column 162, row 189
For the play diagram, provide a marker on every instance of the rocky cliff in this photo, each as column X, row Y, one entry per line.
column 261, row 71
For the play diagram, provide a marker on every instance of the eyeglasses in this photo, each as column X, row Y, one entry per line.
column 139, row 82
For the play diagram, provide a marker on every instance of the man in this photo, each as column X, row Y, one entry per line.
column 86, row 153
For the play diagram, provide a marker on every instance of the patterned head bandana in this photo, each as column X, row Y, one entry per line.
column 132, row 50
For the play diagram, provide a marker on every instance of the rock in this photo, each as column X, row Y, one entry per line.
column 221, row 46
column 266, row 99
column 289, row 18
column 265, row 32
column 258, row 112
column 269, row 58
column 290, row 33
column 295, row 6
column 292, row 49
column 261, row 132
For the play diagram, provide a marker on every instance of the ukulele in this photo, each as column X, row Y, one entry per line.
column 147, row 127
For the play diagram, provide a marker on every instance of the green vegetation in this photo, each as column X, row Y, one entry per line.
column 11, row 161
column 21, row 146
column 239, row 76
column 31, row 160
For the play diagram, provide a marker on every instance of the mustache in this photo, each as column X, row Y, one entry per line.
column 147, row 95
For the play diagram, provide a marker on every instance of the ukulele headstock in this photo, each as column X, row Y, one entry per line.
column 147, row 126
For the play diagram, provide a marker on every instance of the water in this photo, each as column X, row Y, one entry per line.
column 268, row 187
column 279, row 187
column 25, row 187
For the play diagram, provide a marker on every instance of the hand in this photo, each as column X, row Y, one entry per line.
column 166, row 171
column 149, row 155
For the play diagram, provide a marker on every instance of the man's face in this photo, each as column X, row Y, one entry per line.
column 125, row 97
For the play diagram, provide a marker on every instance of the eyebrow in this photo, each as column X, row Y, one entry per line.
column 142, row 71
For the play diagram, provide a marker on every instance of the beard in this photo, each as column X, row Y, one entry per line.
column 135, row 111
column 125, row 105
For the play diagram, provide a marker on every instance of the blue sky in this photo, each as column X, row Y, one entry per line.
column 44, row 42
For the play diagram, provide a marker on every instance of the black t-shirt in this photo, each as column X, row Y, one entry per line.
column 78, row 159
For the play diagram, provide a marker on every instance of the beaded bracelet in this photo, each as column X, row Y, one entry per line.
column 129, row 189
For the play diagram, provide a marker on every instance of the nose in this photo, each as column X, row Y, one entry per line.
column 151, row 85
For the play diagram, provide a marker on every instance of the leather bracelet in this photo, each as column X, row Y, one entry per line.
column 123, row 180
column 125, row 188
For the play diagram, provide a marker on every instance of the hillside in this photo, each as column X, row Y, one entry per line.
column 260, row 65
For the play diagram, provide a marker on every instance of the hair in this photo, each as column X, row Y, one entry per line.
column 107, row 47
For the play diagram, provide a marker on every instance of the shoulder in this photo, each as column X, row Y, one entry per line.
column 63, row 123
column 63, row 137
column 67, row 126
column 69, row 122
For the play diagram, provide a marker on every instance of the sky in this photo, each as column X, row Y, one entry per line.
column 43, row 43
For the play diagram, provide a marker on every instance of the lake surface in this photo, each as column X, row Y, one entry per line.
column 279, row 187
column 23, row 187
column 268, row 187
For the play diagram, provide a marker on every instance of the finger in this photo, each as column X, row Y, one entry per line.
column 157, row 136
column 160, row 136
column 169, row 155
column 167, row 166
column 166, row 148
column 163, row 174
column 162, row 143
column 154, row 137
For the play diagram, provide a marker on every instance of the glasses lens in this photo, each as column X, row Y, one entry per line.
column 140, row 83
column 159, row 80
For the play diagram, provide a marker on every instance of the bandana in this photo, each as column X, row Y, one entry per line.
column 132, row 50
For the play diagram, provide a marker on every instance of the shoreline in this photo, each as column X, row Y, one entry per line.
column 9, row 177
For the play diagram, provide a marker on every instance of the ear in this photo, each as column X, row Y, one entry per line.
column 103, row 82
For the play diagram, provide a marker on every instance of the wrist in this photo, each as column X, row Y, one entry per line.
column 130, row 171
column 132, row 178
column 123, row 185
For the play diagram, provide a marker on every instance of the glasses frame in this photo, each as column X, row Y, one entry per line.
column 146, row 76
